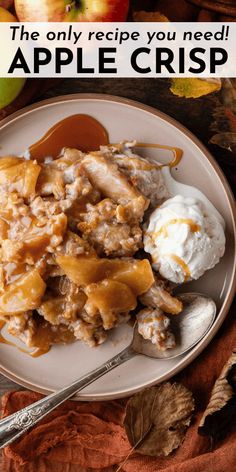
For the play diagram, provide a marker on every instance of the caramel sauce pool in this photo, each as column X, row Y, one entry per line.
column 43, row 339
column 9, row 343
column 85, row 133
column 82, row 132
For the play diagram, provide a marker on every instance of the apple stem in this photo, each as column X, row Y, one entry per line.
column 69, row 7
column 74, row 3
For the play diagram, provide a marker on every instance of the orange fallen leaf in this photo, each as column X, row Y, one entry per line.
column 157, row 418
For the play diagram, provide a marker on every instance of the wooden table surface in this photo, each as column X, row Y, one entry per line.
column 197, row 115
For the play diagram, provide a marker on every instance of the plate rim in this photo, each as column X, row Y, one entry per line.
column 193, row 354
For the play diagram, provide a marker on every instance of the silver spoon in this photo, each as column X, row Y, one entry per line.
column 189, row 327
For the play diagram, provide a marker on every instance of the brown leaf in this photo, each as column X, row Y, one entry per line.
column 225, row 140
column 221, row 408
column 157, row 418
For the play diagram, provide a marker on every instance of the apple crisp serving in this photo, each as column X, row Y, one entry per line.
column 72, row 258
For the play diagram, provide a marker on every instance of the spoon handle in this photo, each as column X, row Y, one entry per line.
column 13, row 426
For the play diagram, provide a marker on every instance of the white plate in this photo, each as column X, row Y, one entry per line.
column 124, row 119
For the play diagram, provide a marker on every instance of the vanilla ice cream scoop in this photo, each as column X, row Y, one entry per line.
column 184, row 239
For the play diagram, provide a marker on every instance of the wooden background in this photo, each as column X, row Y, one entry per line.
column 202, row 116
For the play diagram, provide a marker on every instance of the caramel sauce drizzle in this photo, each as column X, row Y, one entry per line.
column 194, row 227
column 36, row 353
column 183, row 266
column 152, row 319
column 177, row 152
column 39, row 352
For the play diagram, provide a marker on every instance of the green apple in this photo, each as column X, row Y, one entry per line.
column 10, row 89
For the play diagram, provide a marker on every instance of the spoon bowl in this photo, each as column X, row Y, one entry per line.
column 189, row 327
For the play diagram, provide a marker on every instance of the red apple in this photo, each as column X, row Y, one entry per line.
column 6, row 3
column 6, row 16
column 68, row 10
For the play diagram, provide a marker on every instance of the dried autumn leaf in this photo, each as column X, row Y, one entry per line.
column 222, row 405
column 225, row 140
column 147, row 16
column 157, row 418
column 194, row 88
column 228, row 95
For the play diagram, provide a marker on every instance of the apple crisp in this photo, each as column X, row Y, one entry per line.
column 72, row 264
